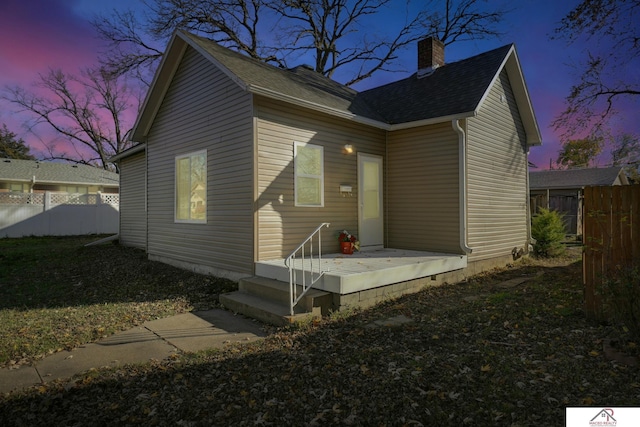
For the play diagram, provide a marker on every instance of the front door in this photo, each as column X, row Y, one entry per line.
column 370, row 218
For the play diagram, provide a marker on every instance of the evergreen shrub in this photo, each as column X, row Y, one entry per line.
column 548, row 230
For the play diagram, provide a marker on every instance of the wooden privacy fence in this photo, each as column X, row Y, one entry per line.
column 611, row 237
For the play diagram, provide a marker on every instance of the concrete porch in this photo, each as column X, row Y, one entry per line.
column 346, row 274
column 361, row 279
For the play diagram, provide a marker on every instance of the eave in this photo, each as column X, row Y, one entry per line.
column 178, row 45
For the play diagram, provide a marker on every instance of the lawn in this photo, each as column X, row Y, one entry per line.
column 474, row 353
column 56, row 294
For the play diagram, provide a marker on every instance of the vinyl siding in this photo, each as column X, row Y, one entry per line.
column 422, row 190
column 497, row 176
column 281, row 225
column 133, row 211
column 203, row 109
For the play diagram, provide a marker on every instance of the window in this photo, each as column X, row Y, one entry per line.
column 18, row 188
column 75, row 189
column 191, row 187
column 309, row 174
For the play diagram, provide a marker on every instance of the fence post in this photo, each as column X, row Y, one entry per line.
column 592, row 256
column 47, row 200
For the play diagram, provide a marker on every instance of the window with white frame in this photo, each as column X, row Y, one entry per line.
column 309, row 174
column 191, row 187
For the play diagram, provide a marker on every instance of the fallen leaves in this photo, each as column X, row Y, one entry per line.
column 86, row 293
column 516, row 361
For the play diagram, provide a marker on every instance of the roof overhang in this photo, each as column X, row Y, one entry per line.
column 433, row 121
column 512, row 65
column 257, row 90
column 159, row 86
column 127, row 153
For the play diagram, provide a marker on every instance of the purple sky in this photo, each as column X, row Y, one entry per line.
column 38, row 34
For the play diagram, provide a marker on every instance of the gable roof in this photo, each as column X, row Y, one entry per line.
column 453, row 91
column 576, row 178
column 300, row 83
column 56, row 173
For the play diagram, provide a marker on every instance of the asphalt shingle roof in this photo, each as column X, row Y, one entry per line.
column 573, row 178
column 454, row 88
column 299, row 82
column 58, row 173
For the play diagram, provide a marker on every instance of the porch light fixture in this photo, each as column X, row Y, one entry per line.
column 348, row 148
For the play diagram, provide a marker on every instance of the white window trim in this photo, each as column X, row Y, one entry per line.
column 297, row 144
column 175, row 188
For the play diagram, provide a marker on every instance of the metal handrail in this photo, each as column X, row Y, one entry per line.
column 290, row 262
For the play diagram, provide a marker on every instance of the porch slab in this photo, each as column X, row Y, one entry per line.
column 345, row 274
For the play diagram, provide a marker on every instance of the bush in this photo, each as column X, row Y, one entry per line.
column 620, row 293
column 548, row 229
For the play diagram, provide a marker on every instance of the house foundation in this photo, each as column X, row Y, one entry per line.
column 370, row 297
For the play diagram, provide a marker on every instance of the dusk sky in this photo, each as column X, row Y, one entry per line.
column 36, row 35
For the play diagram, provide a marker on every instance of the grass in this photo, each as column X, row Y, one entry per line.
column 56, row 294
column 474, row 353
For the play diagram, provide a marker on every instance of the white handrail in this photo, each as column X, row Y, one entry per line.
column 290, row 262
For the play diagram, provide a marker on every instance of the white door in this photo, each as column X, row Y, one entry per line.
column 370, row 218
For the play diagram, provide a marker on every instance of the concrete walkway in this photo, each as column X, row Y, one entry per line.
column 157, row 339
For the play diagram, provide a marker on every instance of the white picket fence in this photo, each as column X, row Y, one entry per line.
column 58, row 214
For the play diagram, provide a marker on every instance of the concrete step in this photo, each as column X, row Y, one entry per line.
column 267, row 311
column 268, row 300
column 278, row 291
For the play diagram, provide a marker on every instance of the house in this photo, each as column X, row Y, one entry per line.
column 34, row 176
column 430, row 172
column 40, row 198
column 562, row 190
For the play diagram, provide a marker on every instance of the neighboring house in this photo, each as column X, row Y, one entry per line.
column 56, row 199
column 562, row 190
column 34, row 176
column 239, row 161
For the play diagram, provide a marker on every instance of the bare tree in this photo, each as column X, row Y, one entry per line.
column 232, row 23
column 133, row 39
column 463, row 20
column 131, row 46
column 336, row 32
column 626, row 153
column 611, row 30
column 89, row 111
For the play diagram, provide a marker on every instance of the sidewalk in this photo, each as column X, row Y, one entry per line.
column 157, row 339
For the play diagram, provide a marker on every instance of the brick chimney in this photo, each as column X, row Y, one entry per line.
column 430, row 55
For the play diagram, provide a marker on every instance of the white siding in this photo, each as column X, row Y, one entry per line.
column 281, row 225
column 497, row 176
column 133, row 204
column 203, row 110
column 422, row 190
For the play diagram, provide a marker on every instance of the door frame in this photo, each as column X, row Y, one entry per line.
column 379, row 242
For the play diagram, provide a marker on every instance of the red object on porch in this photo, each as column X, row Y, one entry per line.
column 346, row 247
